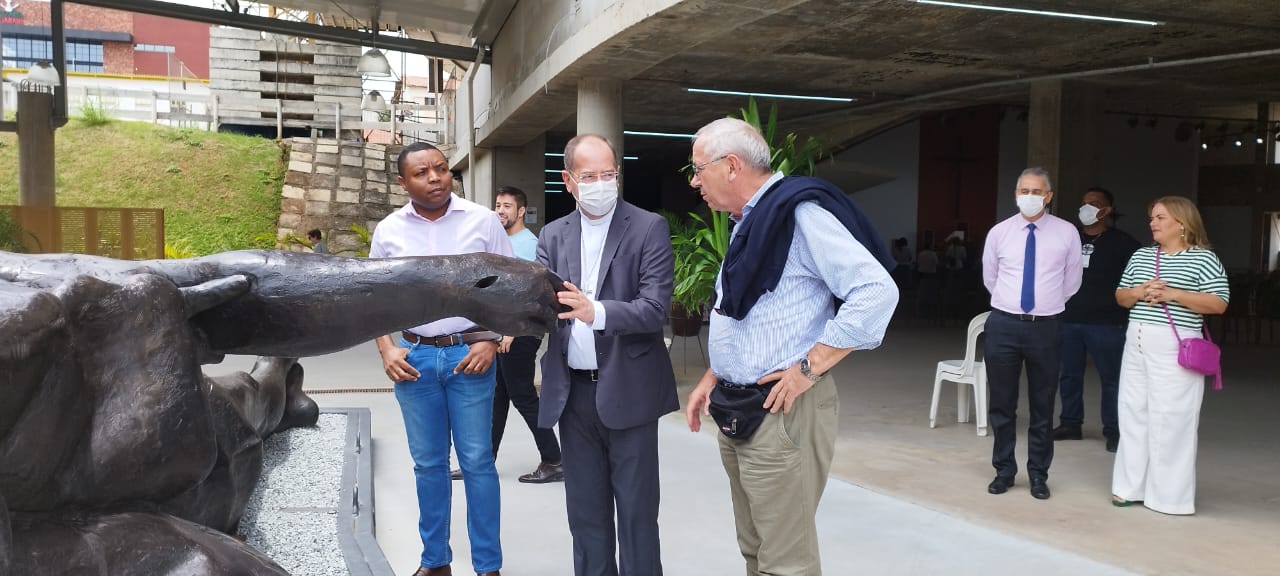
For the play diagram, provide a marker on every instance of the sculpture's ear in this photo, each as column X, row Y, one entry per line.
column 213, row 293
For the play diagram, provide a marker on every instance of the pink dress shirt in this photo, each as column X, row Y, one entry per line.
column 1058, row 266
column 466, row 227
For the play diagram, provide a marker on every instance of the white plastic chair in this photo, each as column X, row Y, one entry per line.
column 965, row 373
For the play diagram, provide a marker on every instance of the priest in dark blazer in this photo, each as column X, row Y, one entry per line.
column 606, row 375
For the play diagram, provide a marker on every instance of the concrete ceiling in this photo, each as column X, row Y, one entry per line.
column 893, row 54
column 898, row 58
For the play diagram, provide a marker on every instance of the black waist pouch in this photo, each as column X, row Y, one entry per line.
column 738, row 411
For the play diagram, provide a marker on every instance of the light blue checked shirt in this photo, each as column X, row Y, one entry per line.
column 825, row 260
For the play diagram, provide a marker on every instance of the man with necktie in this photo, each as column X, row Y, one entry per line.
column 1031, row 266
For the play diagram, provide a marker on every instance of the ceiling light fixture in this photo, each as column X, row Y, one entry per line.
column 1204, row 145
column 1075, row 15
column 374, row 63
column 374, row 102
column 769, row 95
column 658, row 134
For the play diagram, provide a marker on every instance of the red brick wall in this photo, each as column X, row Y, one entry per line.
column 77, row 16
column 189, row 39
column 117, row 58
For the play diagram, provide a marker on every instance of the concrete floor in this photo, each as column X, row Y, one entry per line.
column 903, row 498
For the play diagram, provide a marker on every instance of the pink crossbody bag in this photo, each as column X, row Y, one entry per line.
column 1199, row 355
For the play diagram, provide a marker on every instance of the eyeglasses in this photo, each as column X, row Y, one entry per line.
column 698, row 168
column 592, row 177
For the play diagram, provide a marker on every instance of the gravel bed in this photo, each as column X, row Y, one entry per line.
column 292, row 516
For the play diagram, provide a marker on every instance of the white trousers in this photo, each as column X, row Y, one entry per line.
column 1159, row 413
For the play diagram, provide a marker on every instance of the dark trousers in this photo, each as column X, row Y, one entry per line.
column 1010, row 344
column 1105, row 344
column 604, row 469
column 515, row 386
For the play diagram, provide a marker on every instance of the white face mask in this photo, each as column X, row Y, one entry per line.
column 1088, row 215
column 1030, row 204
column 598, row 198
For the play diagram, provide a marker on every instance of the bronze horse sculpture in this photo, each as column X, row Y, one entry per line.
column 119, row 456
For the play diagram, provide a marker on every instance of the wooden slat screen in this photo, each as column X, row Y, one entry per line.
column 124, row 233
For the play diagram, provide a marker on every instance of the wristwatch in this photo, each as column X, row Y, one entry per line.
column 808, row 372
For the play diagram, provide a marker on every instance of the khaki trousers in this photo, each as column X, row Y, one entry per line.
column 777, row 477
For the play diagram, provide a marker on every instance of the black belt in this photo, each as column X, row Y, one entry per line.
column 451, row 339
column 1028, row 317
column 592, row 375
column 727, row 384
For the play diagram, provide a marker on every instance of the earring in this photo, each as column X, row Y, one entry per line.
column 1184, row 233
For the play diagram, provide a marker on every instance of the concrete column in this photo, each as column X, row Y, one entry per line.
column 35, row 149
column 482, row 169
column 1064, row 137
column 600, row 110
column 523, row 168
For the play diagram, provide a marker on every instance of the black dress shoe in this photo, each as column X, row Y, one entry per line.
column 1067, row 433
column 1000, row 485
column 1040, row 489
column 1113, row 444
column 543, row 474
column 455, row 474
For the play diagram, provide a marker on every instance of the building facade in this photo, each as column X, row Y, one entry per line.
column 104, row 41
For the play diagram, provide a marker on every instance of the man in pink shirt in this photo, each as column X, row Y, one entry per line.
column 444, row 371
column 1031, row 266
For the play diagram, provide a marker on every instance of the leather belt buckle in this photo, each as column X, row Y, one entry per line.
column 592, row 375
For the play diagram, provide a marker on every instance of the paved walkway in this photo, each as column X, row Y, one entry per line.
column 862, row 531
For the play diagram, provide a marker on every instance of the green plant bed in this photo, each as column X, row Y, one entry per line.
column 218, row 191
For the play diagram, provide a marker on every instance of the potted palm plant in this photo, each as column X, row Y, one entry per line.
column 700, row 244
column 699, row 247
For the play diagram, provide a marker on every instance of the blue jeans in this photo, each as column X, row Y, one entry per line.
column 438, row 403
column 1105, row 343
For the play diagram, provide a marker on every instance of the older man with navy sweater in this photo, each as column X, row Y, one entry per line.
column 799, row 249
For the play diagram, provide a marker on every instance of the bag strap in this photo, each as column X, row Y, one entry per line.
column 1164, row 306
column 1204, row 325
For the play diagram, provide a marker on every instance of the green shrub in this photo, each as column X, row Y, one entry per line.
column 94, row 113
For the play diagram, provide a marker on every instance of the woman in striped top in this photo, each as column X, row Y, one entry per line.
column 1159, row 404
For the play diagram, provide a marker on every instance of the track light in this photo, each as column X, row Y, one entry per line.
column 1075, row 15
column 769, row 95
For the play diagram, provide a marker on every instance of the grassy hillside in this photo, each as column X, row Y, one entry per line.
column 218, row 191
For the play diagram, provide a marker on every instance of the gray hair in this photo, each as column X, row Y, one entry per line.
column 572, row 147
column 1038, row 171
column 733, row 136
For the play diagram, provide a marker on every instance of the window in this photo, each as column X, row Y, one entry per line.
column 154, row 48
column 24, row 51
